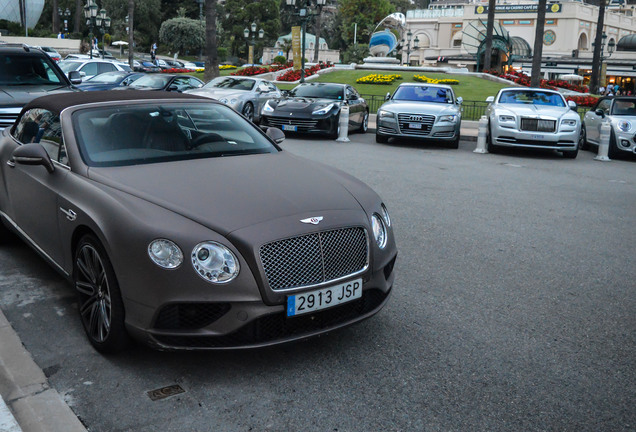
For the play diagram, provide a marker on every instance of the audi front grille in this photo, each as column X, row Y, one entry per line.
column 416, row 124
column 315, row 258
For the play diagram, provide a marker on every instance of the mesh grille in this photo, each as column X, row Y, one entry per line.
column 538, row 125
column 190, row 315
column 314, row 258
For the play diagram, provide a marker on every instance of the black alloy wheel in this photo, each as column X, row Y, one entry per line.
column 365, row 123
column 100, row 305
column 248, row 111
column 335, row 130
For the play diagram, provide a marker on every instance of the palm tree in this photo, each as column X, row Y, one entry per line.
column 535, row 76
column 489, row 31
column 131, row 34
column 286, row 46
column 212, row 59
column 598, row 42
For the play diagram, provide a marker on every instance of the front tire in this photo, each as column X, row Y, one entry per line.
column 100, row 305
column 248, row 111
column 492, row 148
column 365, row 123
column 583, row 145
column 613, row 152
column 335, row 130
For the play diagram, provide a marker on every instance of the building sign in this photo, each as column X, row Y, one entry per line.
column 296, row 47
column 519, row 8
column 549, row 37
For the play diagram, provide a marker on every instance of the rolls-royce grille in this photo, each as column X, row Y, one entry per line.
column 315, row 258
column 416, row 124
column 538, row 125
column 299, row 123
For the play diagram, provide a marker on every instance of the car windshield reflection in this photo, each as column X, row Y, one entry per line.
column 624, row 107
column 531, row 97
column 19, row 70
column 318, row 91
column 423, row 94
column 152, row 133
column 151, row 81
column 231, row 83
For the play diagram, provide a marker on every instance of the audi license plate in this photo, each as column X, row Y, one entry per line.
column 290, row 128
column 323, row 298
column 415, row 125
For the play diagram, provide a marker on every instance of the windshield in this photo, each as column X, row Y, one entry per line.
column 19, row 70
column 318, row 91
column 148, row 132
column 531, row 97
column 151, row 81
column 68, row 66
column 624, row 107
column 231, row 83
column 424, row 94
column 107, row 78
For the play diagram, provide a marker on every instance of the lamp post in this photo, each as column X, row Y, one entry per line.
column 247, row 33
column 64, row 15
column 90, row 13
column 200, row 3
column 610, row 49
column 305, row 14
column 103, row 22
column 416, row 42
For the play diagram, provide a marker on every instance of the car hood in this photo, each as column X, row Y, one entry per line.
column 299, row 104
column 233, row 192
column 19, row 95
column 436, row 109
column 533, row 110
column 217, row 93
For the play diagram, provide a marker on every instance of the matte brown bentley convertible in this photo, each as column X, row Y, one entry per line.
column 185, row 226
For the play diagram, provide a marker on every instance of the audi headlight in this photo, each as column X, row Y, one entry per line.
column 379, row 231
column 568, row 122
column 268, row 108
column 447, row 118
column 165, row 253
column 323, row 110
column 624, row 125
column 506, row 118
column 385, row 215
column 214, row 262
column 385, row 114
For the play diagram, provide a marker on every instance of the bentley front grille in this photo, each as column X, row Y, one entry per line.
column 315, row 258
column 416, row 124
column 538, row 125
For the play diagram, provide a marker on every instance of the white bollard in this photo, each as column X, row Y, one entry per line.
column 603, row 146
column 344, row 124
column 481, row 136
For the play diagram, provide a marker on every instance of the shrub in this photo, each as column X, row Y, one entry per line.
column 280, row 60
column 226, row 67
column 378, row 79
column 425, row 79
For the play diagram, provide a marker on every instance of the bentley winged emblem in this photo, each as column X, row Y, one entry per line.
column 312, row 220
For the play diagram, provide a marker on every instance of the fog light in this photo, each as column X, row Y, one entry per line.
column 625, row 143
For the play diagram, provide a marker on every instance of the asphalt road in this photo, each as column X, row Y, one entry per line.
column 514, row 309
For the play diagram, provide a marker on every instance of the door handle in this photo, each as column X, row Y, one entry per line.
column 70, row 214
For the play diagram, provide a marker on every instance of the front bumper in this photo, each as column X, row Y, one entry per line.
column 300, row 123
column 625, row 141
column 565, row 139
column 435, row 132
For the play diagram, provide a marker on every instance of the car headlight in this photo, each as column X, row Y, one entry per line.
column 506, row 118
column 214, row 262
column 385, row 215
column 323, row 110
column 447, row 118
column 379, row 230
column 165, row 253
column 624, row 125
column 233, row 101
column 268, row 108
column 223, row 100
column 568, row 122
column 385, row 114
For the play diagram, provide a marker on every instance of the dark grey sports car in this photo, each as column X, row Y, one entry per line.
column 185, row 226
column 315, row 108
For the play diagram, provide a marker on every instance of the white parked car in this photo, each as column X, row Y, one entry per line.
column 621, row 113
column 533, row 118
column 90, row 68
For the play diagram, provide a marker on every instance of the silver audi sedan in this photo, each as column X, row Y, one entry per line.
column 533, row 118
column 423, row 111
column 246, row 95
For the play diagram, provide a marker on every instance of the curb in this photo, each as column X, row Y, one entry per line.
column 29, row 404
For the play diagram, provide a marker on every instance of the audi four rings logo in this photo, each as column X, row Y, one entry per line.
column 312, row 220
column 416, row 118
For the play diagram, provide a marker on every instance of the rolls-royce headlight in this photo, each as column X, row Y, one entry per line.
column 165, row 253
column 268, row 108
column 447, row 118
column 385, row 215
column 323, row 110
column 624, row 125
column 214, row 262
column 506, row 118
column 385, row 114
column 379, row 231
column 568, row 122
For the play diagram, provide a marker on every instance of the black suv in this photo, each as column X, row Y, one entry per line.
column 25, row 74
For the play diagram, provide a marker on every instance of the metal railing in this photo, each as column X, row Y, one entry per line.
column 471, row 110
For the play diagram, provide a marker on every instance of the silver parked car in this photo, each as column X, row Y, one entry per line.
column 533, row 118
column 423, row 111
column 621, row 113
column 246, row 95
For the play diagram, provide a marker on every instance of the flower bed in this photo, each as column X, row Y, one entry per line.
column 226, row 67
column 293, row 75
column 583, row 101
column 524, row 80
column 379, row 79
column 251, row 70
column 177, row 70
column 425, row 79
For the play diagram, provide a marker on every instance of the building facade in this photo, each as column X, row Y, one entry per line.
column 17, row 10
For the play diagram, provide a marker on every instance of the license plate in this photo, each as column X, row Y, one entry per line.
column 538, row 137
column 323, row 298
column 415, row 125
column 290, row 128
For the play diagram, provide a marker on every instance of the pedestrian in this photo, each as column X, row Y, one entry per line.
column 601, row 90
column 616, row 87
column 59, row 35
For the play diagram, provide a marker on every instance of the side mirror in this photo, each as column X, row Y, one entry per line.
column 33, row 154
column 75, row 77
column 572, row 105
column 353, row 97
column 275, row 134
column 490, row 99
column 460, row 100
column 600, row 113
column 387, row 97
column 173, row 87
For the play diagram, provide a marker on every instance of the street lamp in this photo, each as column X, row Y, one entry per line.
column 416, row 43
column 305, row 14
column 90, row 12
column 246, row 33
column 200, row 3
column 64, row 14
column 103, row 22
column 611, row 46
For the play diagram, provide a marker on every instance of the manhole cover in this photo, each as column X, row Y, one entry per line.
column 165, row 392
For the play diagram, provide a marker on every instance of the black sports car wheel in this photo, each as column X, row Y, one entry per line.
column 335, row 130
column 248, row 111
column 100, row 306
column 365, row 123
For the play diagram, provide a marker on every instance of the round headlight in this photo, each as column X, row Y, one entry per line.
column 214, row 262
column 624, row 125
column 385, row 215
column 379, row 231
column 165, row 253
column 223, row 100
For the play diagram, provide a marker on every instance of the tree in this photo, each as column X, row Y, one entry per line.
column 212, row 61
column 286, row 46
column 182, row 34
column 147, row 19
column 355, row 53
column 489, row 30
column 598, row 42
column 240, row 14
column 55, row 17
column 366, row 13
column 131, row 32
column 535, row 76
